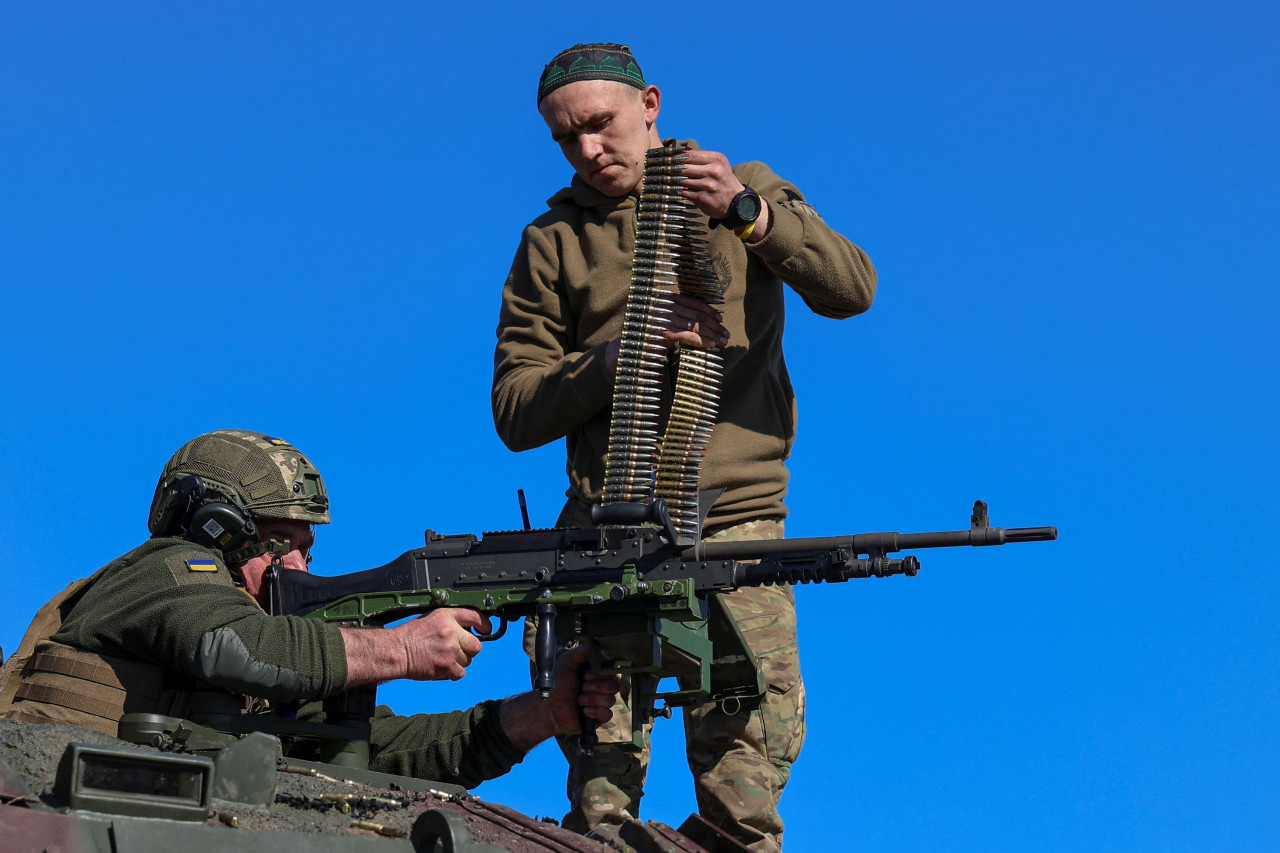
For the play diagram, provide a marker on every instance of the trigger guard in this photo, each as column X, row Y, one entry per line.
column 496, row 635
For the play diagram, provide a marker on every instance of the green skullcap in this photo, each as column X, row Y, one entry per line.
column 597, row 61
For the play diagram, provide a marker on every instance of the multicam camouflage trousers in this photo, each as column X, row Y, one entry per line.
column 740, row 762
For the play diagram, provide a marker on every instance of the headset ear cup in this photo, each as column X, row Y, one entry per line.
column 221, row 526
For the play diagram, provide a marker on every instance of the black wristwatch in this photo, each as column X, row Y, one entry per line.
column 743, row 210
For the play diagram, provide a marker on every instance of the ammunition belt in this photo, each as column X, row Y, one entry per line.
column 671, row 253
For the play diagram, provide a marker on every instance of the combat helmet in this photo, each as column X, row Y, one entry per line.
column 213, row 488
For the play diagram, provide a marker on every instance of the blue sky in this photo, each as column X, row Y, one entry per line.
column 297, row 218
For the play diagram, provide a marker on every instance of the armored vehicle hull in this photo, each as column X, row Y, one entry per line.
column 68, row 789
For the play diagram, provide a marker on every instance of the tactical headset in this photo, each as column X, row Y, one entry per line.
column 212, row 518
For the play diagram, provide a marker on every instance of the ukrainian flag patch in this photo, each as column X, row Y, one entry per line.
column 278, row 442
column 201, row 565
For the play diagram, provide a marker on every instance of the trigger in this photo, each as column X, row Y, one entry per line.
column 496, row 635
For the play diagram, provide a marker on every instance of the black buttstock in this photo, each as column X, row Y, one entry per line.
column 294, row 593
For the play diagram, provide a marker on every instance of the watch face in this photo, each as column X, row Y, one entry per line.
column 747, row 206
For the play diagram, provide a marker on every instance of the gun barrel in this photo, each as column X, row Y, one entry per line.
column 873, row 543
column 1032, row 534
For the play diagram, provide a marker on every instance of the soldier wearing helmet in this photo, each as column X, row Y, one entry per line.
column 178, row 623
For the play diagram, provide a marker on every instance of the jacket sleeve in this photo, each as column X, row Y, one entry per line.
column 833, row 276
column 543, row 387
column 461, row 747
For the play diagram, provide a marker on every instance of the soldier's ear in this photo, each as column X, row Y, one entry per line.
column 652, row 100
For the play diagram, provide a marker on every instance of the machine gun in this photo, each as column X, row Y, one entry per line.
column 636, row 591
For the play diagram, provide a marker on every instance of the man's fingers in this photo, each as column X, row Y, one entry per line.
column 696, row 334
column 469, row 647
column 695, row 339
column 440, row 643
column 600, row 715
column 696, row 323
column 469, row 617
column 709, row 182
column 601, row 683
column 598, row 706
column 693, row 308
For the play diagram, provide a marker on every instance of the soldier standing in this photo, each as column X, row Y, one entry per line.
column 556, row 355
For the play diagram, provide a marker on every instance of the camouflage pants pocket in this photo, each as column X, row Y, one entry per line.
column 742, row 763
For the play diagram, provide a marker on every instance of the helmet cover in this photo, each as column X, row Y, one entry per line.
column 265, row 476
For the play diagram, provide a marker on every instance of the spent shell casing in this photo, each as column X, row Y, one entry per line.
column 387, row 831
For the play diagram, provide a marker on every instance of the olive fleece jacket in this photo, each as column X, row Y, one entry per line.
column 175, row 604
column 564, row 300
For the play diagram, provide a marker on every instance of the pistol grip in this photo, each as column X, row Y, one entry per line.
column 544, row 650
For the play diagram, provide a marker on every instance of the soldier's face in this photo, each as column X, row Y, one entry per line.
column 300, row 537
column 603, row 129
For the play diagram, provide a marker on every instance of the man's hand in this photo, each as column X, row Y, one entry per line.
column 709, row 182
column 529, row 719
column 694, row 322
column 691, row 322
column 434, row 647
column 593, row 692
column 440, row 644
